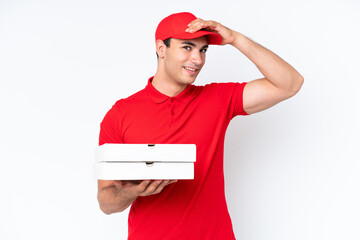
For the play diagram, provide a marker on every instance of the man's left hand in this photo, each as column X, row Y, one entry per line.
column 227, row 35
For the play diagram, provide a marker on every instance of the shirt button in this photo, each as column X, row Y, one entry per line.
column 172, row 112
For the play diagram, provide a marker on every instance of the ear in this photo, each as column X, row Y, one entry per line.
column 160, row 48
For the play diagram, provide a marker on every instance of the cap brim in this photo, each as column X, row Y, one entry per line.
column 213, row 38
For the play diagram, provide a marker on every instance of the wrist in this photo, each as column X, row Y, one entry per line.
column 234, row 38
column 240, row 41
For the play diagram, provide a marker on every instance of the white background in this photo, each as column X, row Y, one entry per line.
column 292, row 172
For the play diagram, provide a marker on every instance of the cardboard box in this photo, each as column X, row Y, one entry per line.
column 144, row 161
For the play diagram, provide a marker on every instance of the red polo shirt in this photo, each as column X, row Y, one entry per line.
column 188, row 209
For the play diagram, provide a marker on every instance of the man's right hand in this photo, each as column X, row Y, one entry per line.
column 117, row 195
column 143, row 188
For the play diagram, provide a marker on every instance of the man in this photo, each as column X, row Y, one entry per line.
column 172, row 110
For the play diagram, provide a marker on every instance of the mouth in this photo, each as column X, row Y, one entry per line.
column 191, row 70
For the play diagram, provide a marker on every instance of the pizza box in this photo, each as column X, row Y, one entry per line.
column 144, row 161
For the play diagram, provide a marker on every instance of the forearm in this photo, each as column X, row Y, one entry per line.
column 111, row 200
column 275, row 70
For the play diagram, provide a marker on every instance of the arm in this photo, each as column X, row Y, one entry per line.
column 116, row 196
column 281, row 80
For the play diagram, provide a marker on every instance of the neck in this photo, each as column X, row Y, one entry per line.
column 164, row 85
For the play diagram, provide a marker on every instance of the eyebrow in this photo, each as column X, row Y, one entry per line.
column 194, row 45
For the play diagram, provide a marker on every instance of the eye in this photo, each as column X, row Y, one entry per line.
column 187, row 47
column 203, row 50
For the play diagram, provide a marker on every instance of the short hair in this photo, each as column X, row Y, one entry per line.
column 167, row 44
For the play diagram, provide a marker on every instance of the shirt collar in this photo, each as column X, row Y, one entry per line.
column 159, row 97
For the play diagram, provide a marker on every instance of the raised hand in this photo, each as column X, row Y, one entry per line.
column 227, row 35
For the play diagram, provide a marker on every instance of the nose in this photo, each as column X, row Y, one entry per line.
column 197, row 58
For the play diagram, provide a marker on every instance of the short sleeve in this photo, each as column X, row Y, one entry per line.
column 229, row 97
column 237, row 103
column 110, row 127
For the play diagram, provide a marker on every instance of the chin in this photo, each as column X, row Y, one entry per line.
column 189, row 81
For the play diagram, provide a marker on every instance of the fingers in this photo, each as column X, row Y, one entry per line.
column 152, row 187
column 125, row 183
column 135, row 181
column 131, row 189
column 199, row 23
column 160, row 187
column 155, row 187
column 171, row 181
column 227, row 35
column 141, row 188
